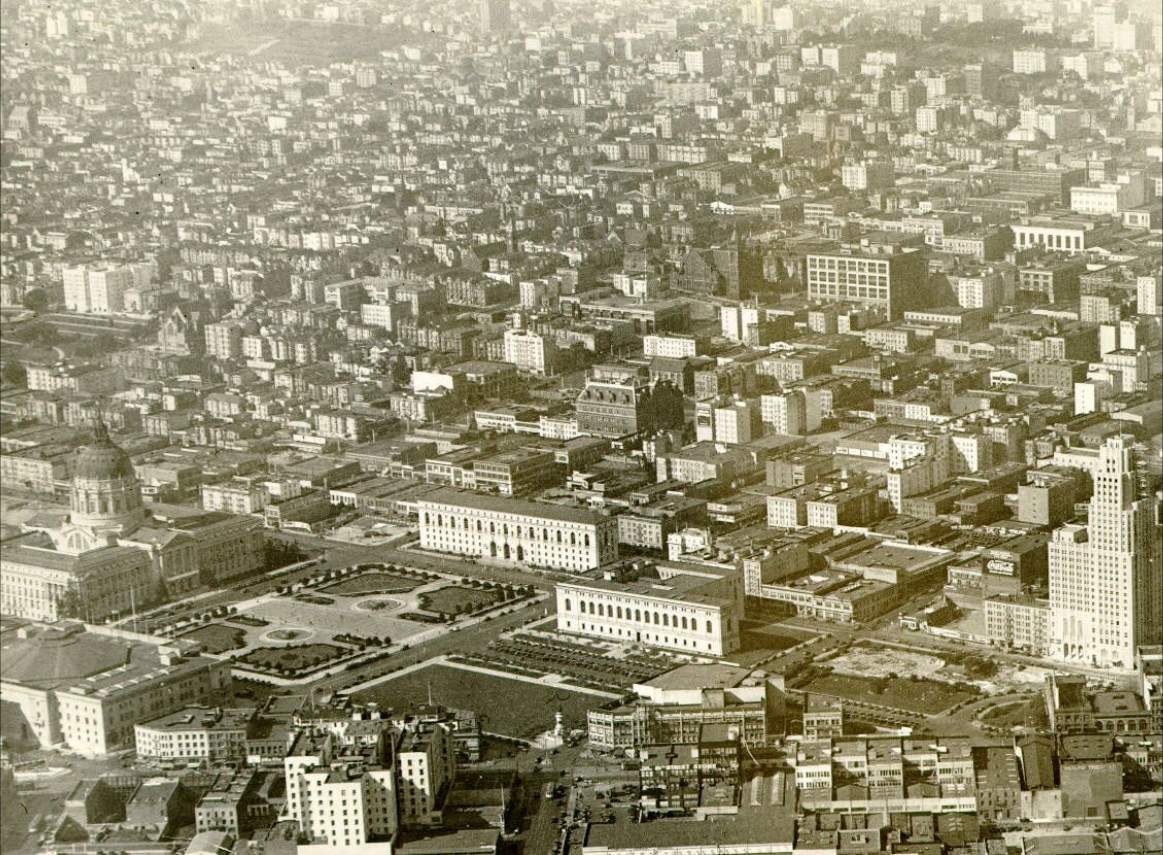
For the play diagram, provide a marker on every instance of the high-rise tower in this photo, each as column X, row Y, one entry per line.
column 496, row 16
column 1104, row 576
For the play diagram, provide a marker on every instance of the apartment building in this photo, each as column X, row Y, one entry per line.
column 341, row 793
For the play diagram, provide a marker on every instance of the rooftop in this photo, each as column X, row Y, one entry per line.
column 481, row 502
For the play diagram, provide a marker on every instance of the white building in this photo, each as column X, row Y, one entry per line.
column 97, row 289
column 1108, row 198
column 737, row 423
column 984, row 290
column 343, row 796
column 237, row 496
column 786, row 412
column 691, row 610
column 1032, row 61
column 1072, row 235
column 868, row 175
column 385, row 315
column 195, row 733
column 224, row 340
column 539, row 535
column 82, row 687
column 1057, row 123
column 1104, row 576
column 1149, row 295
column 739, row 322
column 425, row 765
column 671, row 345
column 529, row 351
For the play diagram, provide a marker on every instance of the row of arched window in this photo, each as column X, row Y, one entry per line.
column 638, row 615
column 529, row 531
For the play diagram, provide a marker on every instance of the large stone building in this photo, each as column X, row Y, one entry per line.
column 689, row 608
column 84, row 687
column 535, row 534
column 107, row 555
column 1104, row 576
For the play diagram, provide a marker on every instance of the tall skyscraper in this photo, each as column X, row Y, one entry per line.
column 496, row 16
column 1103, row 21
column 1104, row 576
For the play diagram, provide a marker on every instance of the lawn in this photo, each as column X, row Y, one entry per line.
column 373, row 583
column 492, row 698
column 218, row 637
column 927, row 697
column 1015, row 713
column 454, row 599
column 295, row 658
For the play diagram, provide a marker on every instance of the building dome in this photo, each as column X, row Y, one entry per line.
column 102, row 460
column 106, row 495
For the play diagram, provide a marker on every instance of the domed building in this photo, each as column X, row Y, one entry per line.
column 105, row 501
column 109, row 556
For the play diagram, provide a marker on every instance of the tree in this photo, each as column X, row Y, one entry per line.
column 401, row 372
column 69, row 605
column 35, row 299
column 14, row 373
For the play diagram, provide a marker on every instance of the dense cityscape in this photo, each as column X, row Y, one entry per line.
column 543, row 427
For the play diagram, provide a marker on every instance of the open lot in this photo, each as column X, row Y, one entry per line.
column 491, row 697
column 927, row 697
column 878, row 661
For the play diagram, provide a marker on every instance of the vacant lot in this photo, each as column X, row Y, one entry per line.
column 927, row 697
column 490, row 697
column 293, row 658
column 373, row 583
column 218, row 638
column 881, row 661
column 455, row 599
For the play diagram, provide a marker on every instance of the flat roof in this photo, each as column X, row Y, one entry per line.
column 700, row 676
column 679, row 588
column 498, row 504
column 759, row 827
column 68, row 657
